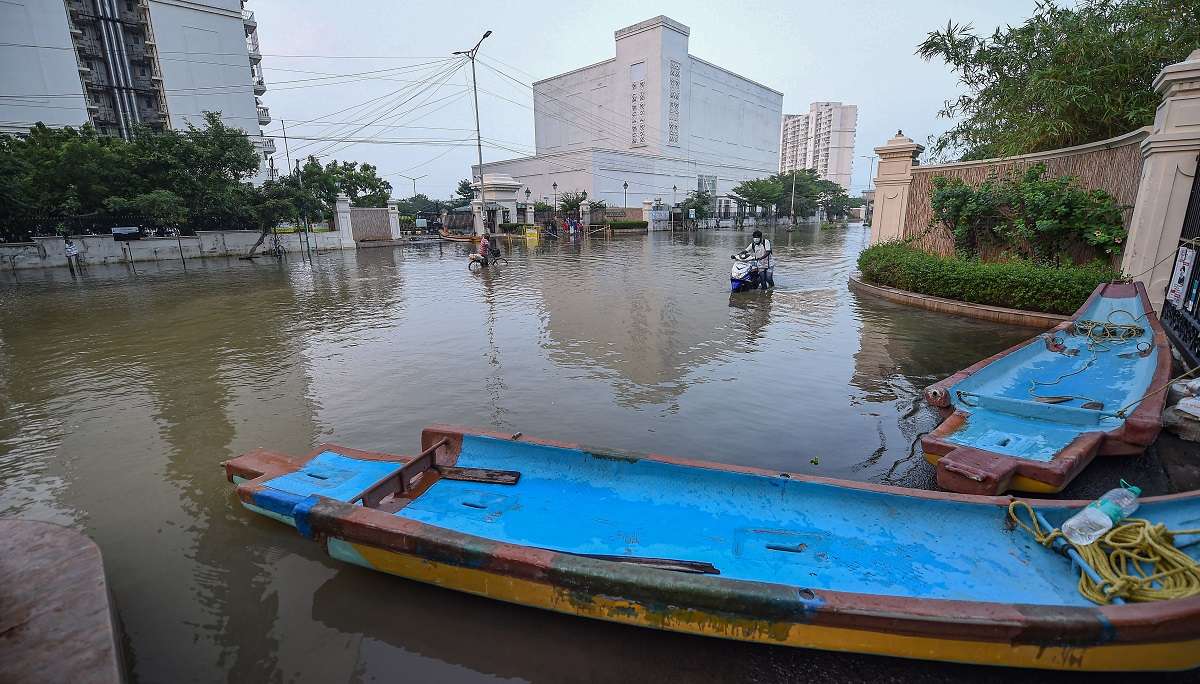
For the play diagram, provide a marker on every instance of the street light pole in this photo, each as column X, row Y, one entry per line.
column 674, row 189
column 478, row 139
column 870, row 168
column 792, row 211
column 555, row 186
column 414, row 181
column 626, row 186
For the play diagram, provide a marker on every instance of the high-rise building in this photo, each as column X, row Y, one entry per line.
column 119, row 64
column 821, row 140
column 653, row 122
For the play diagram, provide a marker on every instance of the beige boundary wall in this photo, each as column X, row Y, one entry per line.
column 49, row 252
column 1150, row 169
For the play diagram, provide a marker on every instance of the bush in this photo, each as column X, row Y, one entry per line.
column 512, row 227
column 1012, row 284
column 628, row 225
column 1023, row 213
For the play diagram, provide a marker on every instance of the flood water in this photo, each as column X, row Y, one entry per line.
column 121, row 393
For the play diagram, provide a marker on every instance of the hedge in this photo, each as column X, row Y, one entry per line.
column 512, row 227
column 1013, row 284
column 628, row 225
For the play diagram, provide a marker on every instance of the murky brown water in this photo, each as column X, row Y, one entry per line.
column 121, row 394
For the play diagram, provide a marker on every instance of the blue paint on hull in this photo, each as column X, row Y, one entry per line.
column 1008, row 421
column 750, row 527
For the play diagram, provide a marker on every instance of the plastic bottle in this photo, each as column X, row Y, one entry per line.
column 1091, row 523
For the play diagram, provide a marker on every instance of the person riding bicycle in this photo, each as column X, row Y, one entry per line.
column 759, row 249
column 485, row 249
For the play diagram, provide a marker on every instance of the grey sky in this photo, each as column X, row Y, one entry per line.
column 859, row 52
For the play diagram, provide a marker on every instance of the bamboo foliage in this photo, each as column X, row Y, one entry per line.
column 1114, row 166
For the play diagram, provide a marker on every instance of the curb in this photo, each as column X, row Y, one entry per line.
column 995, row 314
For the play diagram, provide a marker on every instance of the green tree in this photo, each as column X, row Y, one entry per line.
column 359, row 181
column 764, row 193
column 701, row 201
column 276, row 201
column 1066, row 76
column 463, row 194
column 164, row 206
column 419, row 203
column 801, row 191
column 570, row 200
column 832, row 198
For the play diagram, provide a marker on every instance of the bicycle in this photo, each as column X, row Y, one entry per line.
column 476, row 263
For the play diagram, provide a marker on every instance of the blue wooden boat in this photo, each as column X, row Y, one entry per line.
column 1034, row 416
column 720, row 550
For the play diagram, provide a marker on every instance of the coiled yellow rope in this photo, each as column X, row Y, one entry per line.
column 1107, row 331
column 1136, row 560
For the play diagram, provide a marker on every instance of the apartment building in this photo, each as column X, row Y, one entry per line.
column 121, row 64
column 821, row 140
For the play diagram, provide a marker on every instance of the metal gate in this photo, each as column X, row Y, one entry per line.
column 1181, row 310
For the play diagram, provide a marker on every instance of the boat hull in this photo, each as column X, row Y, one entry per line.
column 801, row 633
column 1024, row 628
column 446, row 235
column 968, row 447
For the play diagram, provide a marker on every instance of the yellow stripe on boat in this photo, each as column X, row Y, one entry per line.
column 1179, row 655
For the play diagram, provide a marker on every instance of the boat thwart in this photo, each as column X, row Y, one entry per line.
column 719, row 550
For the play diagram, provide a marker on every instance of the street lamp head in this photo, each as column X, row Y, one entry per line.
column 554, row 185
column 625, row 185
column 674, row 188
column 527, row 193
column 584, row 194
column 485, row 35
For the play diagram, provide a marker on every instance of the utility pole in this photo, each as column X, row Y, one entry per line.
column 478, row 139
column 303, row 220
column 286, row 151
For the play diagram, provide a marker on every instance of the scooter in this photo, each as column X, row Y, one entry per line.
column 745, row 274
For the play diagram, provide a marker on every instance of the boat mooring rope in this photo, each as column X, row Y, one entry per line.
column 1101, row 337
column 1107, row 331
column 1136, row 560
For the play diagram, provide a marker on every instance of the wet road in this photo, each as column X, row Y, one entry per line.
column 120, row 394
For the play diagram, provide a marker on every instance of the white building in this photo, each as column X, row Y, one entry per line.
column 821, row 140
column 118, row 64
column 655, row 117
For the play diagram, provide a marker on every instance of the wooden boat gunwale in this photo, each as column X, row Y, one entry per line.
column 1138, row 430
column 748, row 610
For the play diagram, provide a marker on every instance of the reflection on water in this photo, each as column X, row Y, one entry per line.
column 121, row 394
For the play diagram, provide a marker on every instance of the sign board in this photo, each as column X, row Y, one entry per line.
column 691, row 213
column 126, row 233
column 422, row 223
column 659, row 215
column 1181, row 275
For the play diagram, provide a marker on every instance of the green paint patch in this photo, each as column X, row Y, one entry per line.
column 613, row 454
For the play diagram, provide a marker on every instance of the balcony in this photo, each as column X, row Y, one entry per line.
column 249, row 22
column 264, row 115
column 252, row 48
column 89, row 48
column 268, row 145
column 260, row 86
